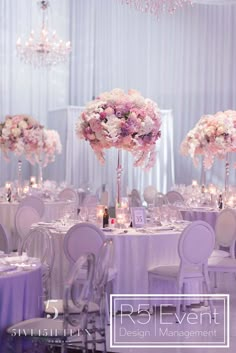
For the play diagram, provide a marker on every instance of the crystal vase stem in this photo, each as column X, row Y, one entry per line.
column 40, row 175
column 203, row 173
column 119, row 173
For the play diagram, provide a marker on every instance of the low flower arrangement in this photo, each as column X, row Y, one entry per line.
column 213, row 136
column 124, row 121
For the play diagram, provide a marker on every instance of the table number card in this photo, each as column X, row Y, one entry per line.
column 138, row 217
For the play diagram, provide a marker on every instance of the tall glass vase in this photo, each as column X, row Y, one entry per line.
column 118, row 178
column 19, row 177
column 40, row 174
column 203, row 175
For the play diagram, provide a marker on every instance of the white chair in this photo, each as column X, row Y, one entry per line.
column 225, row 230
column 34, row 202
column 39, row 244
column 82, row 238
column 193, row 260
column 24, row 218
column 174, row 197
column 69, row 194
column 60, row 331
column 4, row 240
column 149, row 194
column 96, row 307
column 90, row 201
column 160, row 199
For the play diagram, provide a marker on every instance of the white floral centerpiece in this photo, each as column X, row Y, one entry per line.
column 125, row 121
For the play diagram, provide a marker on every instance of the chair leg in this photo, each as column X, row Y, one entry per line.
column 215, row 280
column 107, row 309
column 180, row 287
column 208, row 291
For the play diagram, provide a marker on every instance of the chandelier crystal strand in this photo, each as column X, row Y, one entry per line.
column 156, row 7
column 45, row 49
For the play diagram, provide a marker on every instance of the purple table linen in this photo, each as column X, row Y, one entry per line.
column 194, row 215
column 21, row 297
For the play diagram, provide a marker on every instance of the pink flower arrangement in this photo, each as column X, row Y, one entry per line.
column 20, row 134
column 213, row 136
column 23, row 135
column 50, row 144
column 127, row 121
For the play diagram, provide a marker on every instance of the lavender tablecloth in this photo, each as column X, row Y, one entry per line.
column 20, row 297
column 208, row 216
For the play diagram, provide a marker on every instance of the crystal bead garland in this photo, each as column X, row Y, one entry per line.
column 19, row 182
column 226, row 173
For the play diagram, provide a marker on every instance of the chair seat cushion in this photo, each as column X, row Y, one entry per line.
column 112, row 273
column 172, row 272
column 220, row 253
column 56, row 306
column 40, row 327
column 222, row 264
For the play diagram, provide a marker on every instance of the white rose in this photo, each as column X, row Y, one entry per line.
column 16, row 132
column 23, row 124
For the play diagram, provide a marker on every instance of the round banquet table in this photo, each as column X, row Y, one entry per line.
column 21, row 296
column 200, row 214
column 53, row 211
column 135, row 253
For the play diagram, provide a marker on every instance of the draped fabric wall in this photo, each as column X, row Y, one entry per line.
column 185, row 62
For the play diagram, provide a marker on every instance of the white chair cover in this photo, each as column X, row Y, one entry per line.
column 34, row 202
column 149, row 194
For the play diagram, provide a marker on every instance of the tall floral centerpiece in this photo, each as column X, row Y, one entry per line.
column 49, row 146
column 213, row 136
column 20, row 134
column 125, row 121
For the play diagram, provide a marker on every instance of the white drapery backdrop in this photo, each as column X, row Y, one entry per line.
column 185, row 62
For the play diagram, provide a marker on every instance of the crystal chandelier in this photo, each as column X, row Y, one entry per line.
column 156, row 7
column 46, row 49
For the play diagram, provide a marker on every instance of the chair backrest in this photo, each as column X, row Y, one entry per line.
column 69, row 194
column 4, row 240
column 81, row 298
column 174, row 196
column 34, row 202
column 160, row 199
column 135, row 199
column 39, row 243
column 149, row 194
column 90, row 201
column 24, row 218
column 82, row 238
column 196, row 243
column 225, row 228
column 103, row 263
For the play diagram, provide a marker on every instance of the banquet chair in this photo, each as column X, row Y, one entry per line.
column 69, row 194
column 160, row 199
column 174, row 197
column 57, row 330
column 97, row 306
column 38, row 243
column 135, row 199
column 225, row 230
column 4, row 240
column 90, row 201
column 24, row 218
column 149, row 194
column 193, row 261
column 82, row 238
column 34, row 202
